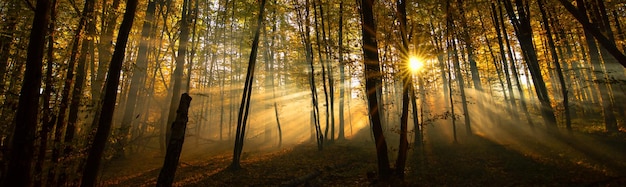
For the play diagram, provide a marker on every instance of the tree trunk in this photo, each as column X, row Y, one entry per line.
column 523, row 29
column 555, row 58
column 47, row 119
column 91, row 169
column 175, row 147
column 23, row 139
column 407, row 80
column 373, row 77
column 247, row 93
column 342, row 76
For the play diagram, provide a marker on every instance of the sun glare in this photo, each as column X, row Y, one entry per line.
column 415, row 64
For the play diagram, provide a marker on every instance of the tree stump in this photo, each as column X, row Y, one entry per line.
column 175, row 144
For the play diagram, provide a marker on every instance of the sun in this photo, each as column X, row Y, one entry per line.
column 415, row 63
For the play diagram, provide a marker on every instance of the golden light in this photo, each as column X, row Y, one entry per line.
column 415, row 63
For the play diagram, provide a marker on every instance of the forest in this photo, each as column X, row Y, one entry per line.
column 312, row 93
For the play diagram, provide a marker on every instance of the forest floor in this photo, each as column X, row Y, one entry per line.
column 570, row 159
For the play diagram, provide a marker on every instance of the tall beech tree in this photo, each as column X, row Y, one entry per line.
column 373, row 81
column 109, row 100
column 247, row 93
column 22, row 144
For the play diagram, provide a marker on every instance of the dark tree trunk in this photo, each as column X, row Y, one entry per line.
column 22, row 143
column 513, row 66
column 247, row 93
column 47, row 119
column 175, row 147
column 323, row 64
column 555, row 58
column 373, row 77
column 523, row 30
column 505, row 64
column 92, row 165
column 407, row 80
column 306, row 37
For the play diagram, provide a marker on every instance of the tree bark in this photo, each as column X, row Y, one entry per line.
column 407, row 80
column 22, row 142
column 373, row 77
column 175, row 147
column 555, row 58
column 247, row 93
column 91, row 169
column 523, row 30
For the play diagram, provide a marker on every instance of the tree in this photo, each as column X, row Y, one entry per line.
column 406, row 88
column 372, row 83
column 22, row 144
column 524, row 32
column 175, row 147
column 92, row 164
column 247, row 92
column 555, row 58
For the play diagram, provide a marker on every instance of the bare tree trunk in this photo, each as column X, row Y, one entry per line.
column 247, row 93
column 373, row 81
column 600, row 75
column 22, row 142
column 457, row 69
column 407, row 80
column 47, row 119
column 523, row 29
column 175, row 147
column 555, row 58
column 91, row 169
column 65, row 93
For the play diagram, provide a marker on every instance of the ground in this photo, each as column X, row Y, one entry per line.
column 581, row 159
